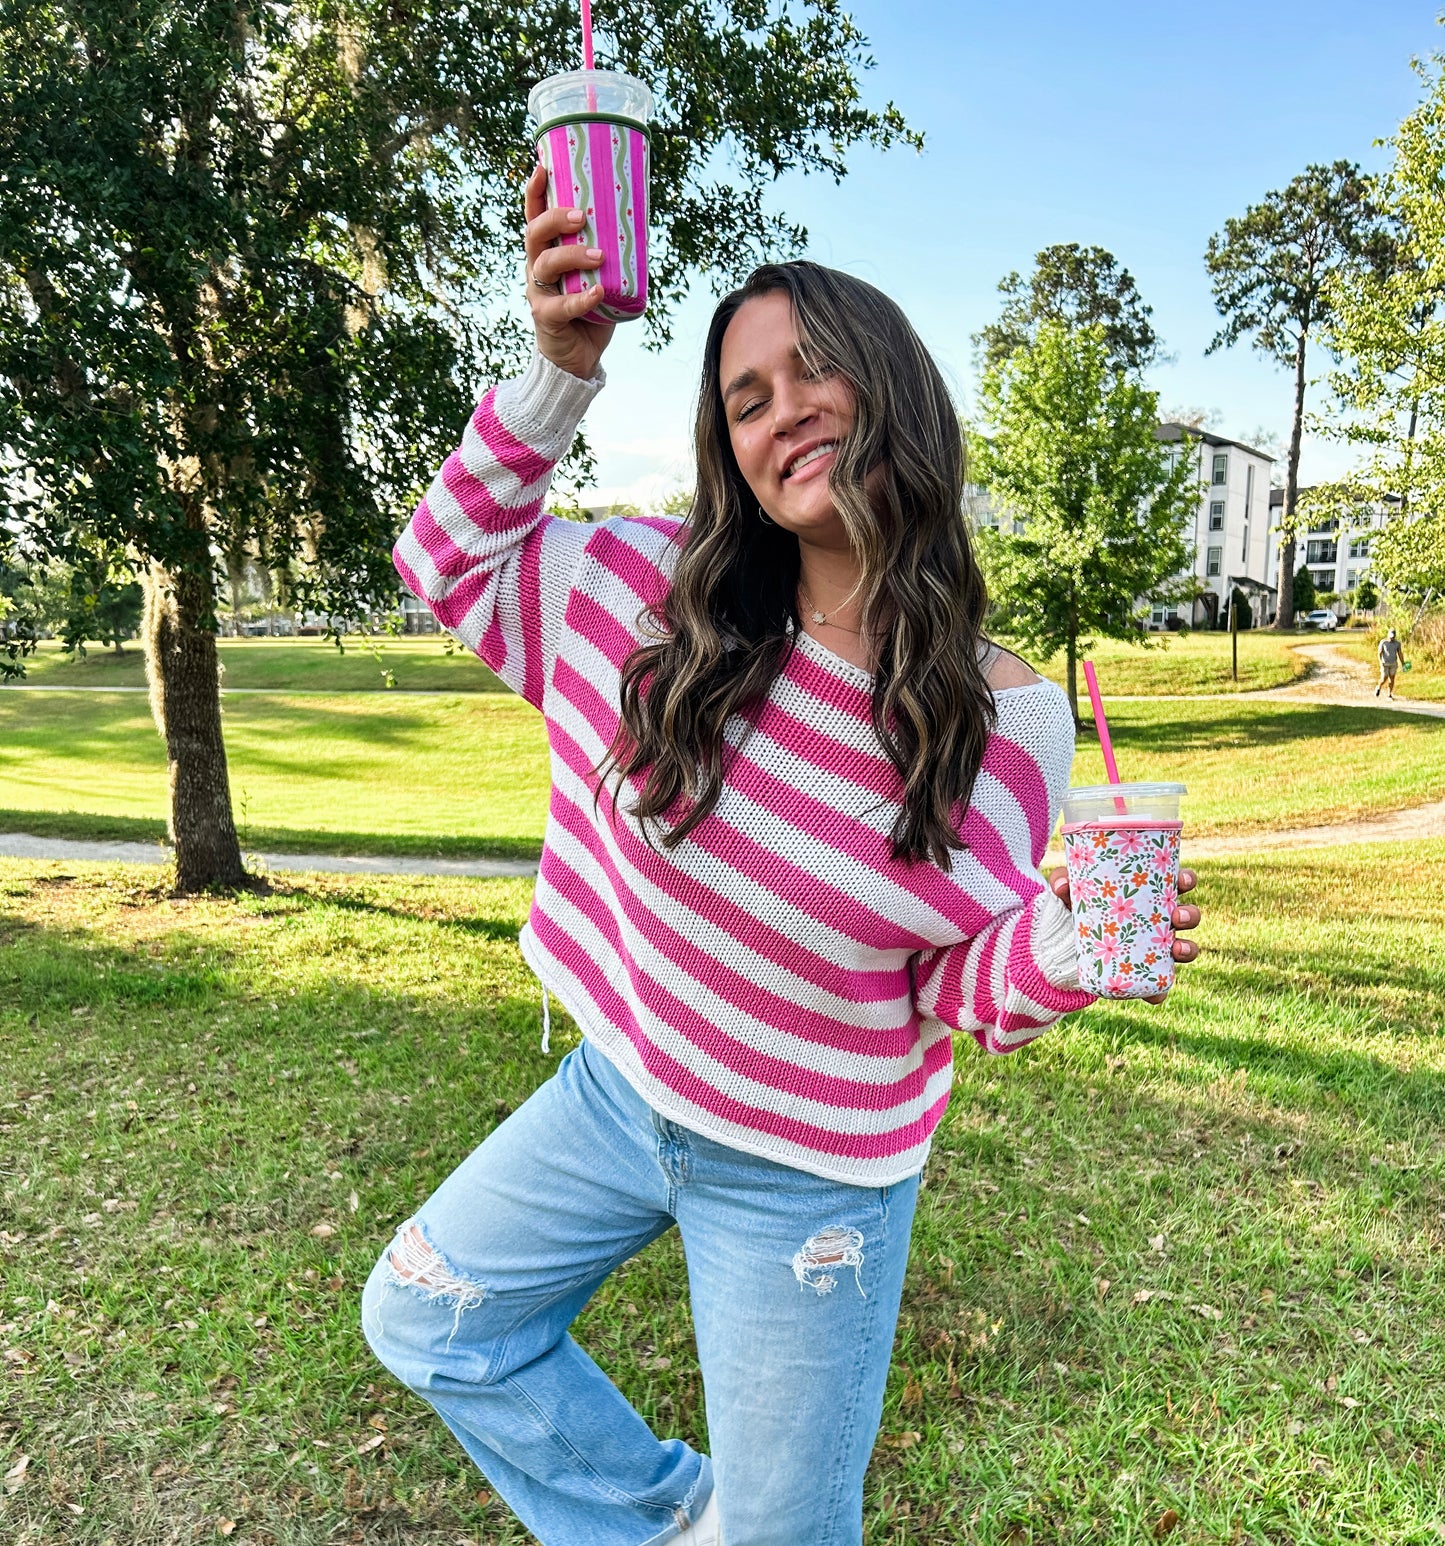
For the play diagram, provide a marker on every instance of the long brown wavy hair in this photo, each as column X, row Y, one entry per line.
column 725, row 628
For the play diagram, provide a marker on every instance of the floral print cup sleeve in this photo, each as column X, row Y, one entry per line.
column 1124, row 883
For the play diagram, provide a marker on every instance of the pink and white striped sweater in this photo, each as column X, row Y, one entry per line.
column 778, row 982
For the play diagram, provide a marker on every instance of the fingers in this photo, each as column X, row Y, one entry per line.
column 1184, row 950
column 551, row 264
column 1188, row 880
column 545, row 226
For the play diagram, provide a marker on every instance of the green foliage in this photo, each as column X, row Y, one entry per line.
column 1367, row 597
column 1270, row 273
column 248, row 254
column 1078, row 286
column 677, row 504
column 1071, row 451
column 1389, row 325
column 1243, row 612
column 1303, row 595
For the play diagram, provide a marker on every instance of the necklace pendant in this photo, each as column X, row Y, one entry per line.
column 819, row 617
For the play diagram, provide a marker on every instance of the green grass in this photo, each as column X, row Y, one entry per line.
column 466, row 775
column 1252, row 767
column 1186, row 1259
column 1190, row 663
column 418, row 664
column 1194, row 662
column 450, row 775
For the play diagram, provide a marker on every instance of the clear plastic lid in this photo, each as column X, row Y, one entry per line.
column 589, row 94
column 1115, row 802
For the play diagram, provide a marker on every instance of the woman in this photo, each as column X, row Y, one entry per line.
column 798, row 808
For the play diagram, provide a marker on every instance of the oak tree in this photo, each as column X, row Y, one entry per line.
column 256, row 254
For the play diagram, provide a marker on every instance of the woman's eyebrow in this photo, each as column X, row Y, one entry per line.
column 745, row 378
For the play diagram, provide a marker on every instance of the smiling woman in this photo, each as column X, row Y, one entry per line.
column 798, row 808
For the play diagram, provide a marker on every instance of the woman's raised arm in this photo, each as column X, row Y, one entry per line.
column 496, row 570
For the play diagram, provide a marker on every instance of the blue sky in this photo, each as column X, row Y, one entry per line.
column 1130, row 125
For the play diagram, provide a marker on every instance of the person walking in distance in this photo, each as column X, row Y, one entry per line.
column 798, row 807
column 1391, row 653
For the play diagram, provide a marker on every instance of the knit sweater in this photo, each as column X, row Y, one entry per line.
column 778, row 981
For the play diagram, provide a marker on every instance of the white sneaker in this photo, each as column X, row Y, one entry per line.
column 705, row 1530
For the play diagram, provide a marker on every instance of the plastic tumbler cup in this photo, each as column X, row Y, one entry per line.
column 592, row 137
column 1121, row 846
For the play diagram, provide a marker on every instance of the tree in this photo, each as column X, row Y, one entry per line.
column 250, row 252
column 1270, row 272
column 1367, row 598
column 1388, row 327
column 1078, row 286
column 676, row 503
column 103, row 602
column 1302, row 593
column 1072, row 453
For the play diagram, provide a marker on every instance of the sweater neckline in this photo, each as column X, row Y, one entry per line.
column 859, row 677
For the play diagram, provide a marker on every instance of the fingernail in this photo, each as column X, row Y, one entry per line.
column 574, row 214
column 594, row 252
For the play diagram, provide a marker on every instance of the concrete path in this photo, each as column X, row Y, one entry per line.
column 17, row 845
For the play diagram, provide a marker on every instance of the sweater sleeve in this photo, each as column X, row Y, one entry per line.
column 1011, row 981
column 494, row 569
column 1018, row 974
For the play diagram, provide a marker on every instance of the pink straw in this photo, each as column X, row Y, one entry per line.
column 1111, row 768
column 587, row 63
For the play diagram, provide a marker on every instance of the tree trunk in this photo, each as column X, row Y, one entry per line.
column 1284, row 604
column 182, row 669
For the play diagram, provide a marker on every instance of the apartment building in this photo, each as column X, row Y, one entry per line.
column 1230, row 536
column 1335, row 549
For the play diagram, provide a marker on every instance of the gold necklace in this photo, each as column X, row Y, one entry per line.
column 822, row 617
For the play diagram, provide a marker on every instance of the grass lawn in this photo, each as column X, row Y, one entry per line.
column 417, row 663
column 449, row 775
column 1252, row 767
column 1188, row 663
column 466, row 775
column 1182, row 1262
column 1417, row 683
column 1194, row 662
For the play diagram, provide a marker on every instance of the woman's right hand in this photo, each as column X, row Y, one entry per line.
column 562, row 336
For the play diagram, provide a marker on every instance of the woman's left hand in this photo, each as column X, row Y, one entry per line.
column 1184, row 917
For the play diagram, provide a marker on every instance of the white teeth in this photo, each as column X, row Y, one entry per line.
column 811, row 456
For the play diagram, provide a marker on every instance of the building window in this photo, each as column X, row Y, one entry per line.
column 1244, row 549
column 1322, row 551
column 1216, row 515
column 1214, row 561
column 1360, row 547
column 1221, row 468
column 1324, row 578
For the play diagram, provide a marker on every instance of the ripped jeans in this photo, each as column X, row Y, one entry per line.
column 795, row 1283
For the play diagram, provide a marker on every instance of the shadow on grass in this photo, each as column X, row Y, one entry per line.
column 1250, row 726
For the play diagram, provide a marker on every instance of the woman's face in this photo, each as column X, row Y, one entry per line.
column 785, row 421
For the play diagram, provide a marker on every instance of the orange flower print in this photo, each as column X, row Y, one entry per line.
column 1111, row 928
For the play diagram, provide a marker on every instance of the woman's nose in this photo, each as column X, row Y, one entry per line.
column 791, row 407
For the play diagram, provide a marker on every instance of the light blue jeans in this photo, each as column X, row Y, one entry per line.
column 795, row 1284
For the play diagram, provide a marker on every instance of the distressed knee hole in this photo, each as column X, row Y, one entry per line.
column 835, row 1246
column 413, row 1262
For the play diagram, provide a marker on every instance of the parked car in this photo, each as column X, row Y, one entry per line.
column 1322, row 617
